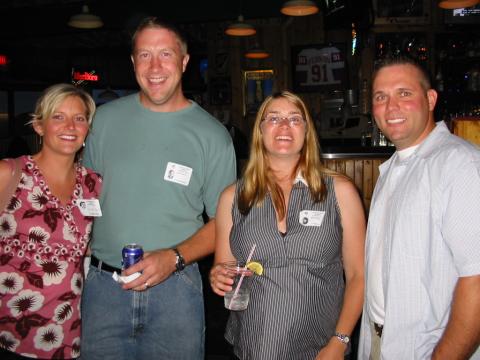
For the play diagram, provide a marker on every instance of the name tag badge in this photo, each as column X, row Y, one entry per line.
column 311, row 217
column 89, row 207
column 177, row 173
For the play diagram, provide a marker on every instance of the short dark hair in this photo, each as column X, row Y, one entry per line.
column 155, row 22
column 402, row 59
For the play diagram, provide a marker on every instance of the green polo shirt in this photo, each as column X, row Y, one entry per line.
column 160, row 172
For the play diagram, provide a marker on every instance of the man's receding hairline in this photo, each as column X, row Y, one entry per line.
column 424, row 82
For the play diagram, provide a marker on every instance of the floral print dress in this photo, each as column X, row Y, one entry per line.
column 42, row 245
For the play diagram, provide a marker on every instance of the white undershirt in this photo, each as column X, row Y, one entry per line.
column 376, row 299
column 405, row 153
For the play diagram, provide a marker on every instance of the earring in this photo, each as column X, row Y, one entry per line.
column 40, row 141
column 83, row 144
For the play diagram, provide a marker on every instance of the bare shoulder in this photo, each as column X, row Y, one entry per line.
column 347, row 194
column 344, row 186
column 228, row 194
column 5, row 174
column 352, row 211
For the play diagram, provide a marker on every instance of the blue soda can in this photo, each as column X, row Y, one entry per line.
column 131, row 254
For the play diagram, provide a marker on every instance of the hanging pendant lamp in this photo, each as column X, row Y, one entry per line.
column 257, row 53
column 457, row 4
column 299, row 8
column 240, row 28
column 85, row 20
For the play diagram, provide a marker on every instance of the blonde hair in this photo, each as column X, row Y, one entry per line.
column 258, row 178
column 54, row 95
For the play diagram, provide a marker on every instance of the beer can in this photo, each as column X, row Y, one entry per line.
column 131, row 254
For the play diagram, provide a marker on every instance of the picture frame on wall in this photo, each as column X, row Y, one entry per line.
column 318, row 68
column 257, row 85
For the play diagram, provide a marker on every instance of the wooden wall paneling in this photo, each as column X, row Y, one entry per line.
column 367, row 187
column 363, row 172
column 468, row 129
column 376, row 170
column 350, row 169
column 358, row 177
column 341, row 167
column 329, row 164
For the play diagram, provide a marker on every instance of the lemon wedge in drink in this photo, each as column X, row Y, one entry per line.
column 256, row 267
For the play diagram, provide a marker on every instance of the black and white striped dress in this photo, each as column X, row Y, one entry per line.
column 295, row 304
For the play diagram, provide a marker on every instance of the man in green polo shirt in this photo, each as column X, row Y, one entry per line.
column 164, row 161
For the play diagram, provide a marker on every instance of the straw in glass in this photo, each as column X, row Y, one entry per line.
column 242, row 276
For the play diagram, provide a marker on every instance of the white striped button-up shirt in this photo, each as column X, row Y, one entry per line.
column 432, row 237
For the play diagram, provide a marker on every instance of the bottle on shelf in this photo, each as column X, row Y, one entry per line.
column 364, row 98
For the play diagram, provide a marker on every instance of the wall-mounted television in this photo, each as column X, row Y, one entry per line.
column 401, row 12
column 469, row 15
column 342, row 13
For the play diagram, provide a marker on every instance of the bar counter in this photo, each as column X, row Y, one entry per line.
column 357, row 152
column 360, row 164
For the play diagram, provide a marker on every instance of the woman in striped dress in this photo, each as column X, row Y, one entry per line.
column 308, row 225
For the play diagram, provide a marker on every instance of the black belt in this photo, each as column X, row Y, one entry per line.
column 378, row 329
column 103, row 266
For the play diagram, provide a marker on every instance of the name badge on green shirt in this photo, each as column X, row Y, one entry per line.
column 177, row 173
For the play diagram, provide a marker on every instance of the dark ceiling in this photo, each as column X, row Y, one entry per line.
column 41, row 47
column 44, row 22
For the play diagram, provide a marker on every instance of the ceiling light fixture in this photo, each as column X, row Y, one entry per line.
column 257, row 52
column 240, row 28
column 85, row 20
column 299, row 8
column 457, row 4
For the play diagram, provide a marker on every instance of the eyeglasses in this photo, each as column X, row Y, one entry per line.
column 276, row 120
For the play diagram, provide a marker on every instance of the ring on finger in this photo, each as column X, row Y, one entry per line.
column 146, row 284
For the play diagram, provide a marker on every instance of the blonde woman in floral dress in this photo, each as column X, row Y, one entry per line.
column 44, row 234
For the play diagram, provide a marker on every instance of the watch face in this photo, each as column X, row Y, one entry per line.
column 343, row 338
column 181, row 265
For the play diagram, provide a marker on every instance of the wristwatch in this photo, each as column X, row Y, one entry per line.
column 344, row 338
column 180, row 263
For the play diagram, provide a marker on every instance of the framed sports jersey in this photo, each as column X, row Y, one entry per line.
column 318, row 68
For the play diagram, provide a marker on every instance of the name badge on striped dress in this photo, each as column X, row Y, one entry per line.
column 311, row 217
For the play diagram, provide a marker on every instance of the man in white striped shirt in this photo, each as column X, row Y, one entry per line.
column 423, row 239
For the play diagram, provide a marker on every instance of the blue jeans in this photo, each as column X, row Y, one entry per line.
column 166, row 321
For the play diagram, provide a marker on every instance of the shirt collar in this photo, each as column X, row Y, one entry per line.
column 425, row 148
column 300, row 178
column 432, row 141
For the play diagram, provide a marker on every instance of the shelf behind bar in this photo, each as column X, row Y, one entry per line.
column 378, row 152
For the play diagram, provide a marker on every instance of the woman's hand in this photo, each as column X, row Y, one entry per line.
column 334, row 350
column 219, row 280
